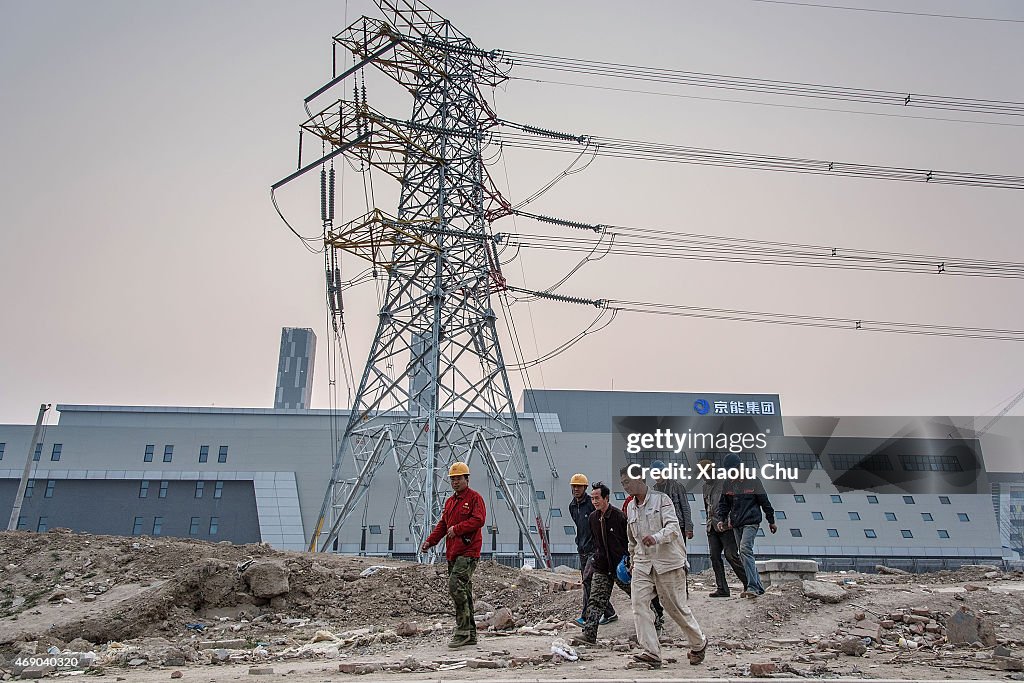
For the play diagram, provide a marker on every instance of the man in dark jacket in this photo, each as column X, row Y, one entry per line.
column 740, row 509
column 608, row 528
column 720, row 541
column 463, row 516
column 580, row 509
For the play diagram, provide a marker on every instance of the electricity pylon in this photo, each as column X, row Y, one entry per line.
column 435, row 388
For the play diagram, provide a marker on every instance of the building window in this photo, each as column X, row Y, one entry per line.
column 137, row 526
column 158, row 525
column 944, row 500
column 907, row 533
column 569, row 530
column 779, row 514
column 38, row 453
column 375, row 529
column 873, row 500
column 200, row 485
column 556, row 512
column 931, row 463
column 218, row 489
column 163, row 489
column 909, row 500
column 50, row 484
column 870, row 463
column 890, row 516
column 870, row 533
column 499, row 494
column 962, row 516
column 541, row 495
column 22, row 523
column 193, row 526
column 690, row 497
column 833, row 533
column 222, row 454
column 927, row 517
column 214, row 524
column 204, row 453
column 796, row 533
column 837, row 498
column 168, row 453
column 30, row 488
column 855, row 516
column 817, row 515
column 55, row 453
column 760, row 532
column 801, row 461
column 704, row 515
column 43, row 525
column 619, row 495
column 144, row 488
column 533, row 529
column 148, row 457
column 2, row 447
column 943, row 533
column 798, row 498
column 533, row 449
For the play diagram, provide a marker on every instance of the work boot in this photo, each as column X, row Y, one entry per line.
column 584, row 639
column 461, row 640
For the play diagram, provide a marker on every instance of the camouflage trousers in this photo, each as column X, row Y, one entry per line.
column 460, row 587
column 600, row 597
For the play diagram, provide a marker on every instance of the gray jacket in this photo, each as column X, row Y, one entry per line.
column 657, row 518
column 677, row 492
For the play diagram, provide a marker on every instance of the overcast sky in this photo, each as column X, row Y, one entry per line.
column 142, row 263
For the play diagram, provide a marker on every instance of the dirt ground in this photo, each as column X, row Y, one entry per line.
column 144, row 609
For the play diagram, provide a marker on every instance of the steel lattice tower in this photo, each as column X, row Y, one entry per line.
column 435, row 388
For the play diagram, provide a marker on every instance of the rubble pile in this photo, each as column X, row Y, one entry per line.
column 75, row 602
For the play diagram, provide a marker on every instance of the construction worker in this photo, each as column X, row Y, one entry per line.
column 739, row 510
column 580, row 509
column 608, row 528
column 460, row 524
column 720, row 541
column 658, row 566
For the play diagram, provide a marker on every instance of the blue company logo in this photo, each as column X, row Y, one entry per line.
column 701, row 406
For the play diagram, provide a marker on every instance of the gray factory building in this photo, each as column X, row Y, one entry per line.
column 251, row 474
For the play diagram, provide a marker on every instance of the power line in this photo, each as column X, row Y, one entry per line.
column 779, row 105
column 890, row 11
column 535, row 139
column 773, row 318
column 891, row 327
column 659, row 243
column 763, row 86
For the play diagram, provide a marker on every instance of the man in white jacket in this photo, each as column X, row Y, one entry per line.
column 659, row 567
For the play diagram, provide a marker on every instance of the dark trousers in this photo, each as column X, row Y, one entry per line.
column 460, row 587
column 725, row 541
column 587, row 572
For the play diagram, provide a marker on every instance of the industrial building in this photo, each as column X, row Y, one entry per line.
column 259, row 474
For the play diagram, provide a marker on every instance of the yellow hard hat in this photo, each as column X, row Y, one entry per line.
column 458, row 469
column 579, row 479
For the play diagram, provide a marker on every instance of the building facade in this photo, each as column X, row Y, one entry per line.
column 250, row 474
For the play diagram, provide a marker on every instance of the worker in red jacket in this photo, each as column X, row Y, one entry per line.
column 460, row 524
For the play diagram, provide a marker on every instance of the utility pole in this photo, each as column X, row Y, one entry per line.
column 434, row 389
column 19, row 498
